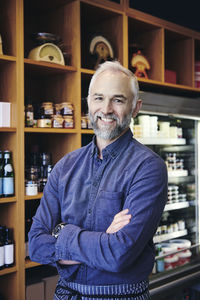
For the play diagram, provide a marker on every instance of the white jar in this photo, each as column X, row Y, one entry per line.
column 31, row 188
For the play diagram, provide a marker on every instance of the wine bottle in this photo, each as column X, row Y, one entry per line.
column 8, row 175
column 8, row 248
column 1, row 174
column 2, row 257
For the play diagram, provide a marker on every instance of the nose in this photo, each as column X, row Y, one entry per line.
column 107, row 107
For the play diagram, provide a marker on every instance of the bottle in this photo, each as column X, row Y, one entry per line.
column 29, row 115
column 179, row 128
column 160, row 261
column 8, row 248
column 8, row 175
column 1, row 174
column 2, row 257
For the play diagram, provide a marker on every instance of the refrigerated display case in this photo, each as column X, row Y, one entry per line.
column 176, row 140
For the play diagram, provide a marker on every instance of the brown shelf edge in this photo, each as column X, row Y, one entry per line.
column 7, row 57
column 36, row 63
column 50, row 130
column 8, row 271
column 36, row 197
column 87, row 131
column 87, row 71
column 8, row 129
column 30, row 264
column 8, row 200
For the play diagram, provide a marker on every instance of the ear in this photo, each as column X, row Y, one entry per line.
column 137, row 108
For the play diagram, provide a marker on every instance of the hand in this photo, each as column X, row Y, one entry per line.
column 68, row 262
column 120, row 220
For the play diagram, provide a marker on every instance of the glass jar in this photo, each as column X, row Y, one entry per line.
column 31, row 188
column 47, row 109
column 66, row 109
column 57, row 109
column 68, row 122
column 84, row 122
column 57, row 121
column 44, row 122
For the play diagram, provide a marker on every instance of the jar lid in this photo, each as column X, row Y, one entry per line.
column 181, row 243
column 47, row 103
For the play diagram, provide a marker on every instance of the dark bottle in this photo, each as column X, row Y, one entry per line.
column 9, row 248
column 1, row 174
column 8, row 175
column 29, row 115
column 2, row 247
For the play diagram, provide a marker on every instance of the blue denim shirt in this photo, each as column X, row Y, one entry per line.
column 86, row 193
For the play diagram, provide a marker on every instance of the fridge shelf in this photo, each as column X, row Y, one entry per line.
column 161, row 141
column 180, row 179
column 169, row 236
column 174, row 206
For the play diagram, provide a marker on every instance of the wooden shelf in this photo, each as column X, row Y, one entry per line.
column 50, row 130
column 87, row 71
column 46, row 67
column 38, row 196
column 8, row 200
column 87, row 131
column 7, row 58
column 8, row 129
column 30, row 264
column 8, row 271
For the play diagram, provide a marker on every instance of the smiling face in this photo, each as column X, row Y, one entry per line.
column 110, row 104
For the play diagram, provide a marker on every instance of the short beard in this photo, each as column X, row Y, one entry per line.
column 106, row 133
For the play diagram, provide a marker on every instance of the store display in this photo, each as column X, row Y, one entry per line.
column 8, row 175
column 140, row 64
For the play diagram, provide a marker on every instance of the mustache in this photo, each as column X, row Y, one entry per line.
column 107, row 116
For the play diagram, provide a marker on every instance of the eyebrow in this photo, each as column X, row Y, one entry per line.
column 117, row 95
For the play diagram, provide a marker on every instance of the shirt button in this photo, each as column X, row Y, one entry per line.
column 89, row 211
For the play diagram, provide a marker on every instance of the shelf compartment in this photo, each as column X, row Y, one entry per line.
column 150, row 40
column 8, row 129
column 174, row 206
column 8, row 26
column 178, row 57
column 169, row 236
column 51, row 143
column 8, row 271
column 104, row 22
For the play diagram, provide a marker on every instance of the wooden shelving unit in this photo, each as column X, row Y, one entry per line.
column 166, row 45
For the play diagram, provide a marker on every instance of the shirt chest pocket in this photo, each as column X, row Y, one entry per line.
column 107, row 205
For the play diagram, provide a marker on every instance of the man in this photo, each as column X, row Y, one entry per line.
column 110, row 196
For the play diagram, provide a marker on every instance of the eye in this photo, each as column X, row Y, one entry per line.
column 98, row 98
column 118, row 100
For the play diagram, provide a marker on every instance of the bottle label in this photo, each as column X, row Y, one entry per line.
column 9, row 254
column 1, row 186
column 8, row 168
column 8, row 185
column 1, row 256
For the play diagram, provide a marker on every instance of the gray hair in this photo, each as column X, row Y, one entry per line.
column 115, row 66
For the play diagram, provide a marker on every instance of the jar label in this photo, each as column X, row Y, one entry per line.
column 8, row 185
column 9, row 254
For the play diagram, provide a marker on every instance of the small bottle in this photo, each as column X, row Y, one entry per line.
column 8, row 175
column 160, row 262
column 29, row 115
column 9, row 248
column 1, row 174
column 179, row 129
column 2, row 257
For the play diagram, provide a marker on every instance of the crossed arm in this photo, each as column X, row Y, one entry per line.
column 119, row 221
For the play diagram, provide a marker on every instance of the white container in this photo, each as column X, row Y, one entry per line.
column 165, row 129
column 153, row 126
column 144, row 121
column 5, row 108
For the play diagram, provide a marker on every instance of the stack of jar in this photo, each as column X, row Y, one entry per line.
column 50, row 115
column 170, row 227
column 173, row 259
column 37, row 173
column 85, row 122
column 174, row 195
column 173, row 162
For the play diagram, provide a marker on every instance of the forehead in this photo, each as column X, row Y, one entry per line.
column 112, row 83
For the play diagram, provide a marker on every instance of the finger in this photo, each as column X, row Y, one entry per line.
column 121, row 218
column 121, row 213
column 116, row 227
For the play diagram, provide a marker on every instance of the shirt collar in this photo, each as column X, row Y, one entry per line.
column 114, row 148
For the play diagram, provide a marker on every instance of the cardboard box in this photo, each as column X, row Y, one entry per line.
column 50, row 286
column 5, row 108
column 35, row 291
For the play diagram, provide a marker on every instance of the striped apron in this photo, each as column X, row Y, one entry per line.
column 76, row 291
